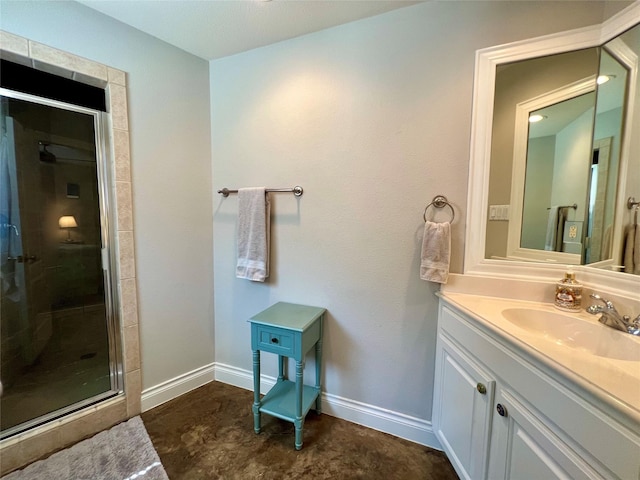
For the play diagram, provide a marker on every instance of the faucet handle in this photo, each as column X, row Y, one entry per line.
column 607, row 303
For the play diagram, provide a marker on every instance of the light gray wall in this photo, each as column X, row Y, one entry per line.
column 571, row 167
column 615, row 6
column 373, row 119
column 171, row 171
column 537, row 191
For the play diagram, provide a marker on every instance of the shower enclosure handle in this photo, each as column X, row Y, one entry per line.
column 24, row 259
column 10, row 226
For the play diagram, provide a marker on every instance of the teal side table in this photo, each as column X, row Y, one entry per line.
column 288, row 330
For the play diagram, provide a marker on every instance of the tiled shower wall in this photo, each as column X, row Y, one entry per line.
column 22, row 449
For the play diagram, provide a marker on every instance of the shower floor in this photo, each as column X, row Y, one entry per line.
column 72, row 367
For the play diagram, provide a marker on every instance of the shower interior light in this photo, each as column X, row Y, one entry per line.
column 536, row 118
column 604, row 79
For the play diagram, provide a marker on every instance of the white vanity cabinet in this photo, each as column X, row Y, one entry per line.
column 462, row 405
column 501, row 414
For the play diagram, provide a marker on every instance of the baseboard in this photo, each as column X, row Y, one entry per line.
column 387, row 421
column 239, row 377
column 397, row 424
column 159, row 394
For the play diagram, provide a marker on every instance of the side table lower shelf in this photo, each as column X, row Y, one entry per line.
column 281, row 400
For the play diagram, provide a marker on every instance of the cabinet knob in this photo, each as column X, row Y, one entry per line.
column 274, row 340
column 481, row 388
column 502, row 410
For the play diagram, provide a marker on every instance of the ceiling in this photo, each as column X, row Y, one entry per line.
column 217, row 28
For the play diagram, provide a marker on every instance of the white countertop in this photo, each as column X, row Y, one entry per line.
column 614, row 381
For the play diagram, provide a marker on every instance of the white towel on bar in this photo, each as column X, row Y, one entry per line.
column 253, row 234
column 636, row 252
column 436, row 252
column 631, row 249
column 552, row 229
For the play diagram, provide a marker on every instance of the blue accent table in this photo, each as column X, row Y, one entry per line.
column 288, row 330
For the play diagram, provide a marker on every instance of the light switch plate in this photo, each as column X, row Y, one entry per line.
column 498, row 212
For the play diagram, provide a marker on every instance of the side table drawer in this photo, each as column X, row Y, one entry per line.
column 274, row 340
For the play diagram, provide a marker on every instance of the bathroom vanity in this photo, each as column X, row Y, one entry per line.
column 524, row 391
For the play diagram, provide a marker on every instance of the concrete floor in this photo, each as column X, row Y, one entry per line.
column 208, row 434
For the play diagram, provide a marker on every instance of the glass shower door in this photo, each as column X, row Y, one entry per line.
column 58, row 349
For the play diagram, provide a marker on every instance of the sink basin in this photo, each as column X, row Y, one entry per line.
column 576, row 333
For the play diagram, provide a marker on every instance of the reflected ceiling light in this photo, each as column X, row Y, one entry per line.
column 536, row 118
column 604, row 79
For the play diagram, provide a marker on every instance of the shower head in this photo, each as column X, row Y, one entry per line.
column 45, row 155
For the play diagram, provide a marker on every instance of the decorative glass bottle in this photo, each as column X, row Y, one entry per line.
column 568, row 293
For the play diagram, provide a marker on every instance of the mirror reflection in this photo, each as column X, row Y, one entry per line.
column 555, row 178
column 558, row 180
column 604, row 166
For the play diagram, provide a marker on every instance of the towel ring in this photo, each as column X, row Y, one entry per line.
column 439, row 201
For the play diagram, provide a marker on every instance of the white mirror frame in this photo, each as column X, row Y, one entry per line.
column 487, row 60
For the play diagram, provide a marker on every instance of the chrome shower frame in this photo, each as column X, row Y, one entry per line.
column 109, row 255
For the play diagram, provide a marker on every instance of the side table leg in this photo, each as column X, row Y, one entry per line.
column 280, row 368
column 256, row 391
column 298, row 423
column 319, row 370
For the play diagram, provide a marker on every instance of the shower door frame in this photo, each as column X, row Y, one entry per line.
column 108, row 256
column 19, row 450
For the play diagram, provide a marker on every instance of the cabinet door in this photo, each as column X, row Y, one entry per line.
column 523, row 447
column 463, row 398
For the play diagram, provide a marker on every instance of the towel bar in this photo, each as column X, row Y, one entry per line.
column 297, row 191
column 574, row 206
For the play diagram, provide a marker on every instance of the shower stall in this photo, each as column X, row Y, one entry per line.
column 60, row 341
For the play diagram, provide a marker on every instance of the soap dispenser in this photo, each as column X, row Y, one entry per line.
column 568, row 293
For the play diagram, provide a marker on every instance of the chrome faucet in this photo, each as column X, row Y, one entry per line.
column 611, row 318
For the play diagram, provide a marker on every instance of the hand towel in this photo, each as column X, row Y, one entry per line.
column 605, row 250
column 636, row 251
column 253, row 234
column 562, row 216
column 555, row 229
column 631, row 250
column 436, row 248
column 552, row 229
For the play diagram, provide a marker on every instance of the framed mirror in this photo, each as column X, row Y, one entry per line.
column 554, row 192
